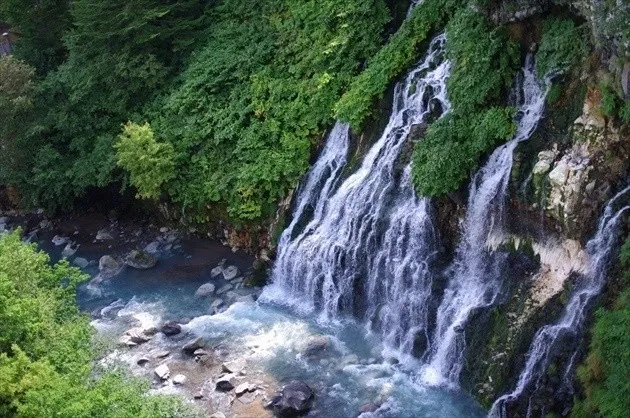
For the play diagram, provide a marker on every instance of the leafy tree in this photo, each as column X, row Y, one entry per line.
column 46, row 349
column 41, row 25
column 150, row 163
column 16, row 103
column 120, row 54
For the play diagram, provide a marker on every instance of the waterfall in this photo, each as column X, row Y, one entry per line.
column 587, row 287
column 367, row 249
column 475, row 274
column 320, row 182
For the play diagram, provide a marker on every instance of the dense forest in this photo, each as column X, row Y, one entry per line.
column 217, row 108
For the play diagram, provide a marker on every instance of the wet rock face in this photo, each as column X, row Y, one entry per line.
column 294, row 400
column 508, row 11
column 574, row 183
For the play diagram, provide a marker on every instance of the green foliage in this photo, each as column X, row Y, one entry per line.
column 41, row 25
column 452, row 148
column 604, row 373
column 611, row 104
column 392, row 60
column 245, row 113
column 46, row 348
column 149, row 163
column 16, row 103
column 484, row 64
column 610, row 25
column 119, row 54
column 562, row 45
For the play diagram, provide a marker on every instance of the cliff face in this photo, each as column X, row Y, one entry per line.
column 560, row 183
column 562, row 177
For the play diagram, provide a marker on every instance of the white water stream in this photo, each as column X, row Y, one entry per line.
column 587, row 287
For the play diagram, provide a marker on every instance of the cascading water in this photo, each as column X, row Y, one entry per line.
column 567, row 328
column 320, row 182
column 367, row 248
column 475, row 274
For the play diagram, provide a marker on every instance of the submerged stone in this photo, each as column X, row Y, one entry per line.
column 205, row 290
column 231, row 272
column 140, row 260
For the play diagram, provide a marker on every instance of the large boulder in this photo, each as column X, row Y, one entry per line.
column 205, row 290
column 140, row 260
column 294, row 399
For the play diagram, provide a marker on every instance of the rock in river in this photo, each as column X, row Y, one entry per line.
column 162, row 371
column 190, row 347
column 81, row 262
column 294, row 400
column 140, row 260
column 316, row 344
column 231, row 272
column 108, row 265
column 171, row 328
column 205, row 290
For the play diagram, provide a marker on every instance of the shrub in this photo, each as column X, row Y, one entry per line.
column 149, row 163
column 392, row 60
column 453, row 146
column 46, row 349
column 562, row 45
column 484, row 62
column 253, row 101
